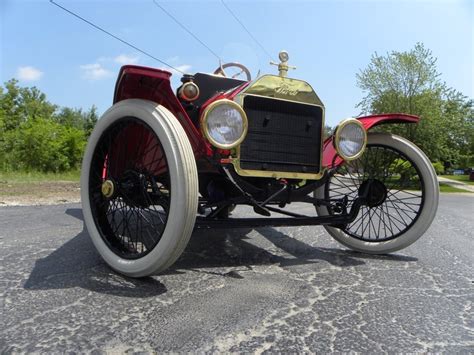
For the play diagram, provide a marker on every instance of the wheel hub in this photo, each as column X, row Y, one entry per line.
column 374, row 191
column 134, row 188
column 108, row 188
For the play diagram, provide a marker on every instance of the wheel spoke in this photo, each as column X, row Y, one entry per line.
column 131, row 154
column 387, row 214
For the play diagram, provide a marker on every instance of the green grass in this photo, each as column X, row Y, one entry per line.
column 26, row 177
column 461, row 178
column 447, row 188
column 73, row 176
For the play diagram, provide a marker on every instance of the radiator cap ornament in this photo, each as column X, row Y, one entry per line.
column 283, row 65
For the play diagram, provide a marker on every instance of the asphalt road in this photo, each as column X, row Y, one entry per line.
column 271, row 289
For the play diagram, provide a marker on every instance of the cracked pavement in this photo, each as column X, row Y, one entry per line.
column 264, row 290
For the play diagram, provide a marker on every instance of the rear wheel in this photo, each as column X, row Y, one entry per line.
column 139, row 188
column 402, row 195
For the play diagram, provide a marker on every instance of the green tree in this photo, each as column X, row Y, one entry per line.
column 327, row 131
column 2, row 132
column 44, row 145
column 2, row 113
column 37, row 135
column 90, row 119
column 70, row 117
column 409, row 82
column 76, row 118
column 19, row 104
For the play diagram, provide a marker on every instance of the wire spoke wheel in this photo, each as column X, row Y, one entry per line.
column 139, row 188
column 401, row 195
column 130, row 156
column 394, row 188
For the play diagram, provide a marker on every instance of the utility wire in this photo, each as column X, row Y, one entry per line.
column 245, row 28
column 187, row 30
column 116, row 37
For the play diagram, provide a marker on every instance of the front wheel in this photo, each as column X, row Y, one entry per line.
column 139, row 188
column 402, row 195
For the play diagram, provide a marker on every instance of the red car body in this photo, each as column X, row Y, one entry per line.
column 151, row 176
column 137, row 82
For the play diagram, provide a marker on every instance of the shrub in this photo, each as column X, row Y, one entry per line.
column 439, row 167
column 44, row 145
column 38, row 135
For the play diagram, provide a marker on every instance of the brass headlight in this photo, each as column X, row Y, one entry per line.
column 350, row 140
column 224, row 123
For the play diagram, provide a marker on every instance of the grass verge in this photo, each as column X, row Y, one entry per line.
column 461, row 178
column 35, row 176
column 448, row 188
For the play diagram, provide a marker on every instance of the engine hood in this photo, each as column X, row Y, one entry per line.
column 282, row 88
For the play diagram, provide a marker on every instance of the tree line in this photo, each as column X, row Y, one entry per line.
column 409, row 82
column 38, row 135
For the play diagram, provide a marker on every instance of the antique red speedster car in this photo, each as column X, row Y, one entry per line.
column 159, row 164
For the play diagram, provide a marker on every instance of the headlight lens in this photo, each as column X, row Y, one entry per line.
column 224, row 124
column 351, row 139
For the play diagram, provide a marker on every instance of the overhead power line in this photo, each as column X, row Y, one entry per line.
column 246, row 29
column 116, row 37
column 187, row 30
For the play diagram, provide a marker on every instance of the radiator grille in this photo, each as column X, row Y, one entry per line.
column 282, row 136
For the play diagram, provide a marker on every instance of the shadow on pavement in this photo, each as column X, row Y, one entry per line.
column 77, row 264
column 334, row 256
column 225, row 248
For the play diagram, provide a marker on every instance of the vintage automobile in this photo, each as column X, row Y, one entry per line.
column 159, row 164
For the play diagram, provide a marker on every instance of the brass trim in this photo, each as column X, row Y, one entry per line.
column 203, row 123
column 184, row 97
column 276, row 174
column 283, row 65
column 283, row 56
column 337, row 138
column 281, row 174
column 276, row 87
column 108, row 188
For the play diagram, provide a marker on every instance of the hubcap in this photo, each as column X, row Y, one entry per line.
column 375, row 192
column 134, row 188
column 108, row 188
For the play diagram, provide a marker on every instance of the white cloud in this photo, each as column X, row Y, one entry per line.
column 126, row 59
column 29, row 73
column 172, row 59
column 184, row 68
column 104, row 59
column 95, row 71
column 180, row 68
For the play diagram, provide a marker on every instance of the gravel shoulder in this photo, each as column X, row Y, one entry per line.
column 38, row 193
column 46, row 193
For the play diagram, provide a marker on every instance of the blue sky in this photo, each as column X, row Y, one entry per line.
column 328, row 41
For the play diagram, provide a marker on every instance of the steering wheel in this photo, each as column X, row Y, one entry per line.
column 234, row 74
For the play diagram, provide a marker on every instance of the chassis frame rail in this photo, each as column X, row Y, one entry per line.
column 332, row 220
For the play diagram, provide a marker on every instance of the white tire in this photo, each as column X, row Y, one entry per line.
column 183, row 198
column 424, row 214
